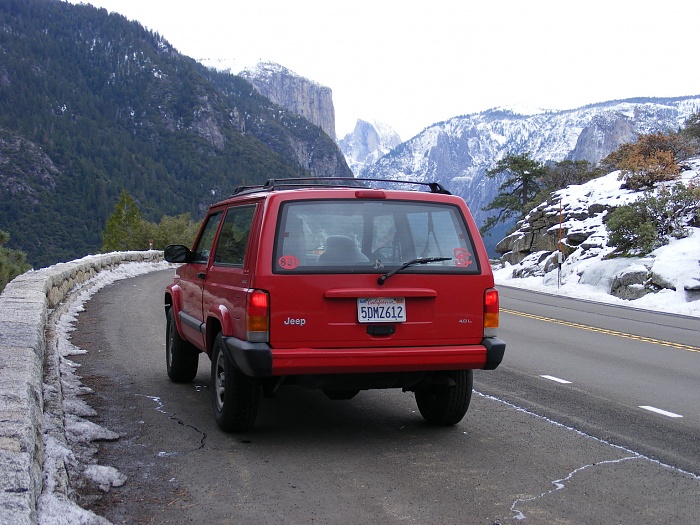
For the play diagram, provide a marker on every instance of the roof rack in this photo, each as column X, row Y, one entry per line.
column 335, row 182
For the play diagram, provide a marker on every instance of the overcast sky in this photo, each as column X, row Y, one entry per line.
column 411, row 64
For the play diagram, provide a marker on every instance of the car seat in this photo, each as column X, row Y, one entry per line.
column 341, row 250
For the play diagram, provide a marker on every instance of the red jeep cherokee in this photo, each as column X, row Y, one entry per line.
column 326, row 284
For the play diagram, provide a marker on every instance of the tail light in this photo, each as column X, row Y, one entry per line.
column 257, row 322
column 490, row 312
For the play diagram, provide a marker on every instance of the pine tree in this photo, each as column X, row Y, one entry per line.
column 516, row 193
column 124, row 228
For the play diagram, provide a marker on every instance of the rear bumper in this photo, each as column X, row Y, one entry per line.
column 495, row 348
column 259, row 360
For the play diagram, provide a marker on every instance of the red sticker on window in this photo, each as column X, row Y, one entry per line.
column 288, row 262
column 462, row 258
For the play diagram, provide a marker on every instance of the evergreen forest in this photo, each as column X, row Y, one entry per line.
column 92, row 105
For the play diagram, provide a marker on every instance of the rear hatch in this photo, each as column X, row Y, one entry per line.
column 375, row 269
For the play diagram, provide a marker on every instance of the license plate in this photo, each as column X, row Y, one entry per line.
column 381, row 310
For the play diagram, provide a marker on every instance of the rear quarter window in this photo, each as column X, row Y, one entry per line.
column 371, row 236
column 233, row 239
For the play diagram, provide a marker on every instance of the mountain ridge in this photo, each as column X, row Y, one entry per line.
column 458, row 152
column 114, row 106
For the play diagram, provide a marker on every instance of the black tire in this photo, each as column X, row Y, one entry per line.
column 446, row 405
column 181, row 358
column 235, row 397
column 339, row 395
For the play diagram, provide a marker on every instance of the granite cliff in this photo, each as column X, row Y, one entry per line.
column 368, row 142
column 295, row 93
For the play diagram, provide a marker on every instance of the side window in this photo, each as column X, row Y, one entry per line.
column 233, row 239
column 206, row 240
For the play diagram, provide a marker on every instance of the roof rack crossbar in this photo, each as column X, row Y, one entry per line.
column 324, row 182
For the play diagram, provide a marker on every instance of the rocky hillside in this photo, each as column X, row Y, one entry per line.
column 574, row 219
column 458, row 152
column 93, row 104
column 368, row 142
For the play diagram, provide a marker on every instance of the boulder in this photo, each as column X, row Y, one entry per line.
column 632, row 283
column 692, row 290
column 660, row 281
column 631, row 292
column 512, row 257
column 577, row 237
column 596, row 208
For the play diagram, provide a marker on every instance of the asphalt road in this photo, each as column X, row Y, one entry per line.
column 615, row 360
column 529, row 448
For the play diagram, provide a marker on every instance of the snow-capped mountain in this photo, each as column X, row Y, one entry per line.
column 367, row 143
column 459, row 151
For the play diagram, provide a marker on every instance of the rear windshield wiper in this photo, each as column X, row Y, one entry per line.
column 419, row 260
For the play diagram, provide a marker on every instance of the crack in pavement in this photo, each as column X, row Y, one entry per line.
column 160, row 408
column 560, row 484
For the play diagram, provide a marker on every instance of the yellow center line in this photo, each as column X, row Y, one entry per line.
column 604, row 331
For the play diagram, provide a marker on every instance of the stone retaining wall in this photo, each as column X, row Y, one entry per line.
column 24, row 307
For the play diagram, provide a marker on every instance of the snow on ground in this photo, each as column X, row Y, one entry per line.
column 76, row 452
column 586, row 274
column 678, row 261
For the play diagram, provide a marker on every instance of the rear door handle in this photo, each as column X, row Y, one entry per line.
column 202, row 275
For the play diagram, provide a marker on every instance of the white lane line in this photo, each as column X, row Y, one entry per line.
column 562, row 381
column 659, row 411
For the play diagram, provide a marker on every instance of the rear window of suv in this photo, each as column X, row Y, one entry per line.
column 371, row 236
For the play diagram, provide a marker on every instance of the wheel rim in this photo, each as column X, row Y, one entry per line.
column 169, row 345
column 220, row 381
